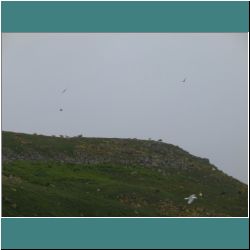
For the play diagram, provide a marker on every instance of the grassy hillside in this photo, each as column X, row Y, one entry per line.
column 53, row 176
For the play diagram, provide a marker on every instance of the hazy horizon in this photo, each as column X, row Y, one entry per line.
column 128, row 85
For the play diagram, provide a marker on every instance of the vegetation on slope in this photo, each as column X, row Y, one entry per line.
column 51, row 176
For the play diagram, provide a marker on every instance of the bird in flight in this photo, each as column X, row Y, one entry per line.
column 191, row 198
column 184, row 80
column 64, row 91
column 61, row 110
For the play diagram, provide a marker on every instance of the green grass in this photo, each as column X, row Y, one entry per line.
column 52, row 176
column 53, row 189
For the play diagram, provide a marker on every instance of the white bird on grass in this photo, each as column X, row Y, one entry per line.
column 191, row 198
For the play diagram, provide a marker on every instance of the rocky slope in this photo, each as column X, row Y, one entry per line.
column 17, row 146
column 112, row 177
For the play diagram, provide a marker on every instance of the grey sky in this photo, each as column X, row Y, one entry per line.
column 128, row 85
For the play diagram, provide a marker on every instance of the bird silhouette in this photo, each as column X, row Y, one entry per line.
column 184, row 80
column 62, row 93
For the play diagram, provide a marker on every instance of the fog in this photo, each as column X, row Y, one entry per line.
column 129, row 85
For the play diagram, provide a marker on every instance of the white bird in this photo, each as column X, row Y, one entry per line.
column 184, row 80
column 191, row 198
column 64, row 91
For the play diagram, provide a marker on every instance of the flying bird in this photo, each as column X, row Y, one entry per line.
column 64, row 91
column 60, row 109
column 184, row 80
column 191, row 198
